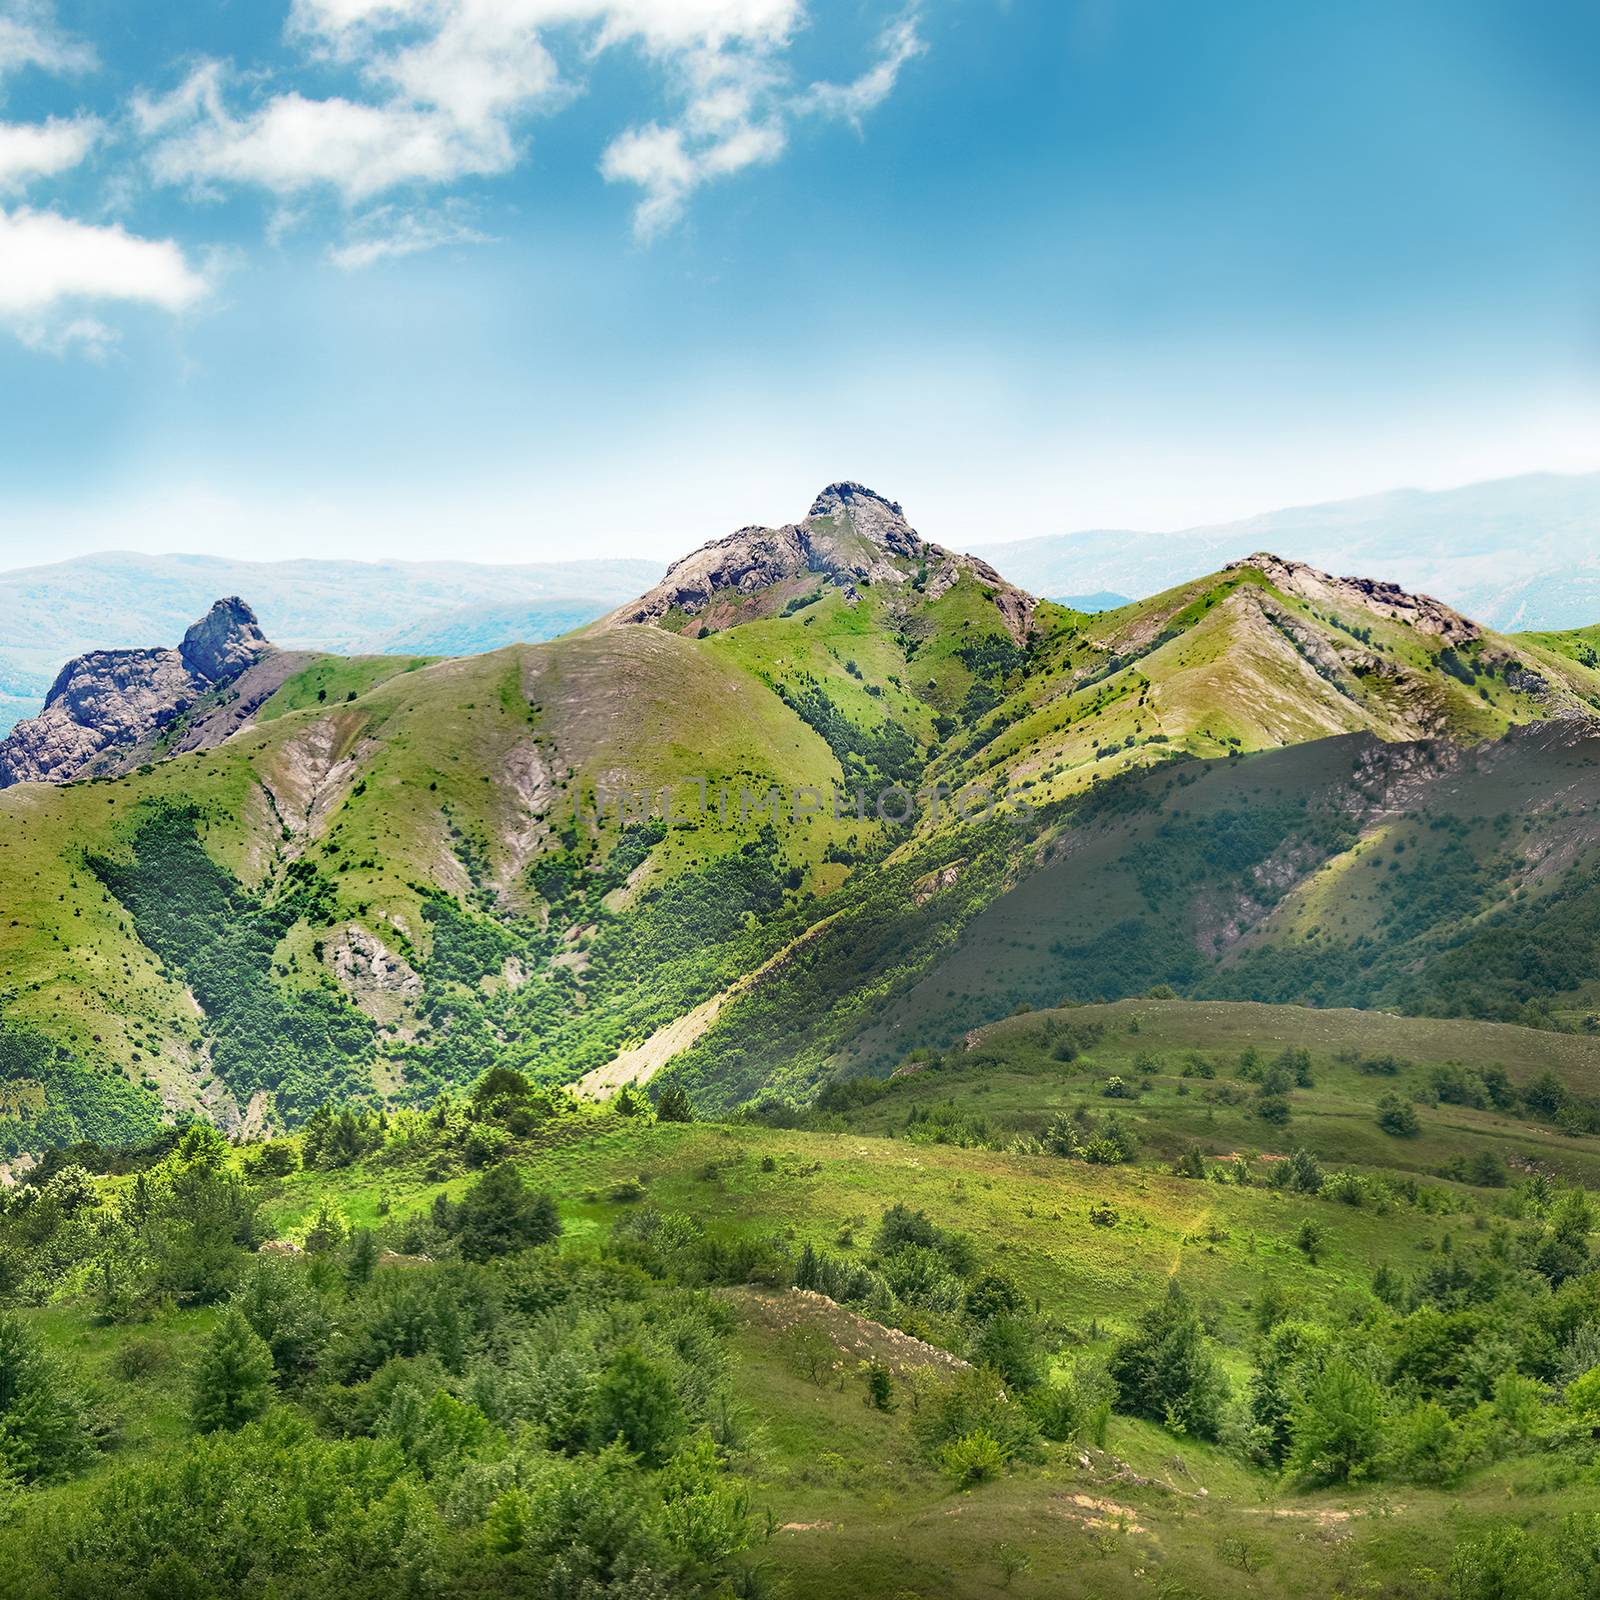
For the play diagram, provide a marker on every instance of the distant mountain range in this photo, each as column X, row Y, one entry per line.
column 120, row 600
column 1517, row 553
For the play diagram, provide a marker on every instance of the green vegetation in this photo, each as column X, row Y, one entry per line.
column 1160, row 1162
column 514, row 1341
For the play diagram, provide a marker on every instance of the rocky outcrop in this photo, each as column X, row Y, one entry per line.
column 851, row 537
column 225, row 641
column 1419, row 611
column 106, row 710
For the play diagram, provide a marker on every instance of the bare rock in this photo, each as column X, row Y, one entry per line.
column 1420, row 611
column 225, row 641
column 851, row 537
column 106, row 709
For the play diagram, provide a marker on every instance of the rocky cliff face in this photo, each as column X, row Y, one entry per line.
column 1419, row 611
column 850, row 537
column 106, row 709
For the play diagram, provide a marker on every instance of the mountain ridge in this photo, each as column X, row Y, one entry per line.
column 122, row 600
column 1516, row 553
column 402, row 870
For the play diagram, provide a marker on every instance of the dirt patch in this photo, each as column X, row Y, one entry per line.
column 1096, row 1513
column 856, row 1338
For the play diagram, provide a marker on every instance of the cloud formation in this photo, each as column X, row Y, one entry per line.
column 448, row 88
column 29, row 38
column 55, row 268
column 387, row 108
column 52, row 267
column 30, row 150
column 391, row 232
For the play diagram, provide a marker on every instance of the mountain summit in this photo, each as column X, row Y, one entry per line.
column 223, row 642
column 105, row 709
column 852, row 538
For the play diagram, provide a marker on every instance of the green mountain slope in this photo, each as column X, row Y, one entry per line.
column 826, row 794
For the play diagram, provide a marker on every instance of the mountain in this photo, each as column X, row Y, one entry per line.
column 825, row 791
column 1516, row 553
column 109, row 709
column 120, row 600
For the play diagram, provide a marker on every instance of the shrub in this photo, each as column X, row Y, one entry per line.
column 43, row 1429
column 500, row 1214
column 1336, row 1426
column 1425, row 1446
column 975, row 1402
column 973, row 1458
column 635, row 1401
column 1507, row 1564
column 1006, row 1343
column 1397, row 1116
column 674, row 1106
column 1309, row 1239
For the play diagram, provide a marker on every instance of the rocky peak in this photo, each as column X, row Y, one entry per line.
column 224, row 641
column 106, row 709
column 874, row 518
column 851, row 537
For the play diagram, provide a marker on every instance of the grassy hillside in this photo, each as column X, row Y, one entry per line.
column 893, row 1348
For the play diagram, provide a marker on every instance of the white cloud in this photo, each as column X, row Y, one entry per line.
column 52, row 267
column 292, row 144
column 446, row 88
column 899, row 44
column 87, row 336
column 30, row 38
column 390, row 232
column 43, row 149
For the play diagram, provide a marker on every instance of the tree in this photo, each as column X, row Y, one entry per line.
column 674, row 1106
column 1164, row 1370
column 1309, row 1238
column 362, row 1257
column 500, row 1214
column 1564, row 1250
column 1397, row 1116
column 992, row 1295
column 634, row 1401
column 1301, row 1172
column 286, row 1312
column 1006, row 1343
column 233, row 1381
column 1336, row 1427
column 42, row 1429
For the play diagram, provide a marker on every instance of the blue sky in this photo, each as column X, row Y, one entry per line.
column 527, row 279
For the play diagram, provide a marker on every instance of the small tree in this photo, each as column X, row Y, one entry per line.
column 1309, row 1239
column 1397, row 1116
column 674, row 1106
column 233, row 1381
column 362, row 1257
column 42, row 1430
column 1336, row 1428
column 1301, row 1172
column 634, row 1401
column 500, row 1214
column 1164, row 1370
column 284, row 1310
column 880, row 1385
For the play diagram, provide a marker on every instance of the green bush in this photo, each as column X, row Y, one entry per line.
column 973, row 1458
